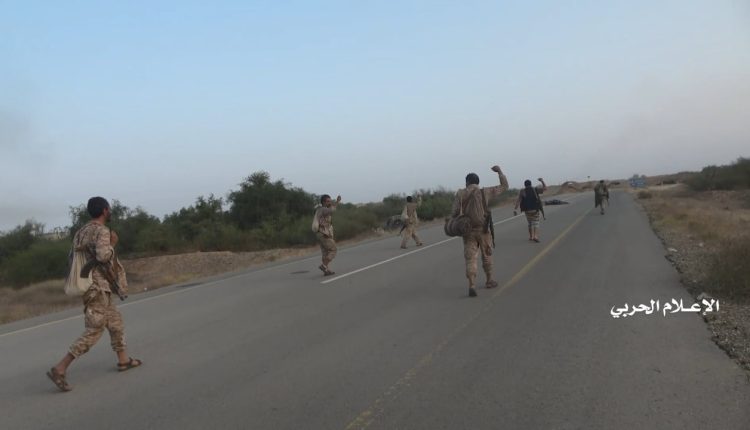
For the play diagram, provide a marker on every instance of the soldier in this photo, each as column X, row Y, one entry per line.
column 324, row 231
column 410, row 223
column 99, row 308
column 601, row 196
column 530, row 203
column 472, row 201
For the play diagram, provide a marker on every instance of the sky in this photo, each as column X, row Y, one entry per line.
column 157, row 103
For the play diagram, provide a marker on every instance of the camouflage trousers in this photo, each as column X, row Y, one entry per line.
column 99, row 313
column 603, row 202
column 410, row 231
column 327, row 248
column 475, row 242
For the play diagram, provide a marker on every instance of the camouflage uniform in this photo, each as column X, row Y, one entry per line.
column 601, row 196
column 478, row 240
column 410, row 225
column 325, row 234
column 99, row 308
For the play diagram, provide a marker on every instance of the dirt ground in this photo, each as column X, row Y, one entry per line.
column 692, row 227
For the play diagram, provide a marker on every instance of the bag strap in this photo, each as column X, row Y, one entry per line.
column 468, row 199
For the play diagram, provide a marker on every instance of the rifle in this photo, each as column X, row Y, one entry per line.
column 488, row 214
column 108, row 270
column 541, row 204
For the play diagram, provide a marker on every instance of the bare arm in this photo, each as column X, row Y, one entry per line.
column 324, row 211
column 544, row 185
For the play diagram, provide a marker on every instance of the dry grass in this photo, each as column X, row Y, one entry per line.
column 708, row 216
column 146, row 274
column 710, row 231
column 37, row 299
column 710, row 240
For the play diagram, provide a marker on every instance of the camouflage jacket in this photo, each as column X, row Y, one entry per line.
column 325, row 220
column 411, row 212
column 97, row 235
column 474, row 207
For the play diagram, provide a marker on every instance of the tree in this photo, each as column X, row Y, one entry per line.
column 259, row 200
column 19, row 239
column 206, row 215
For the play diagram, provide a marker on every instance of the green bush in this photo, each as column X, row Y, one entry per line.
column 19, row 239
column 729, row 271
column 350, row 221
column 435, row 204
column 734, row 176
column 41, row 261
column 259, row 200
column 225, row 237
column 262, row 214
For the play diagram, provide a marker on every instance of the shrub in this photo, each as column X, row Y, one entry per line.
column 259, row 200
column 350, row 221
column 224, row 237
column 729, row 271
column 42, row 260
column 645, row 194
column 19, row 239
column 730, row 177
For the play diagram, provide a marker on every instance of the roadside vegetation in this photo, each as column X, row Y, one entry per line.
column 262, row 214
column 704, row 221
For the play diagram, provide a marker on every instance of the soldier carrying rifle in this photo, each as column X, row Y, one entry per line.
column 98, row 241
column 479, row 239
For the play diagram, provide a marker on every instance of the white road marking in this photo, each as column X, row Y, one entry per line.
column 424, row 248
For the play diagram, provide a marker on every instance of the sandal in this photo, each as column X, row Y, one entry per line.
column 59, row 379
column 491, row 284
column 132, row 362
column 328, row 273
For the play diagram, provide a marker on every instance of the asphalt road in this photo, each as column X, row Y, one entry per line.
column 393, row 342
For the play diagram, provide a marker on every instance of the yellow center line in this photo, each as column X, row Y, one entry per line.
column 364, row 419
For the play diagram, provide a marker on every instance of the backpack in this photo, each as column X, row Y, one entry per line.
column 75, row 285
column 462, row 224
column 315, row 222
column 529, row 202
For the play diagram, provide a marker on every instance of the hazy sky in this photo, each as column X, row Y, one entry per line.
column 155, row 105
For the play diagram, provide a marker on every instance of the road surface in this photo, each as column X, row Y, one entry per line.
column 393, row 342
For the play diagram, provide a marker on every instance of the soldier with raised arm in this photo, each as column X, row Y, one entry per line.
column 601, row 196
column 532, row 205
column 324, row 218
column 472, row 201
column 411, row 221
